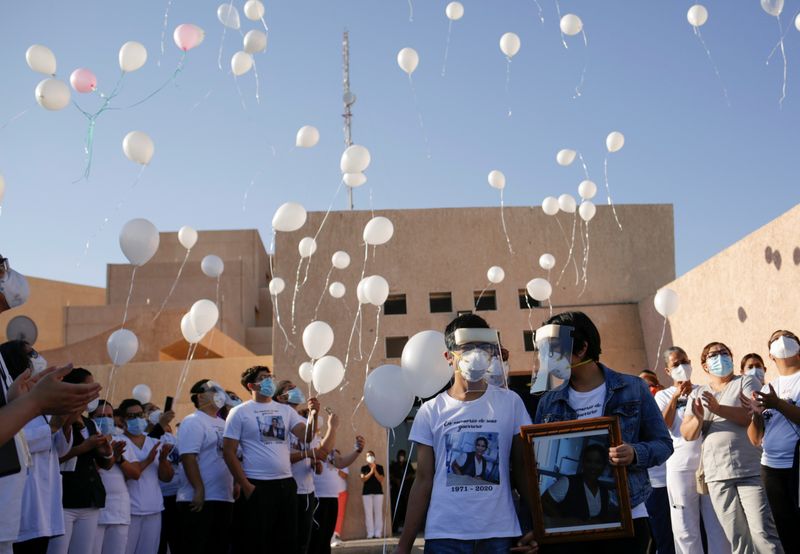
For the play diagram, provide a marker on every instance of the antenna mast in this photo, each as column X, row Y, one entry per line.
column 349, row 99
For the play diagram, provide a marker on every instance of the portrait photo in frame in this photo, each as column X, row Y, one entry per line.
column 575, row 492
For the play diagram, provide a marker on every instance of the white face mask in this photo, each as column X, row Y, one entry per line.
column 92, row 406
column 681, row 373
column 784, row 347
column 38, row 364
column 370, row 459
column 498, row 373
column 219, row 399
column 757, row 372
column 558, row 366
column 474, row 364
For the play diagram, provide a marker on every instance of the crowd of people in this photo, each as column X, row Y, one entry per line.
column 710, row 468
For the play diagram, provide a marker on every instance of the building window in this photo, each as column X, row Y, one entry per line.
column 527, row 340
column 395, row 305
column 485, row 300
column 394, row 346
column 527, row 301
column 441, row 302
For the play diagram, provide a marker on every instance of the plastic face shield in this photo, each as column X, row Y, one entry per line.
column 554, row 347
column 478, row 358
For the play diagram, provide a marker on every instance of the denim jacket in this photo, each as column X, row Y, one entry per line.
column 640, row 420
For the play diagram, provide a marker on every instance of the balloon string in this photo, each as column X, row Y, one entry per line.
column 571, row 246
column 563, row 38
column 585, row 261
column 410, row 12
column 608, row 193
column 503, row 221
column 783, row 55
column 539, row 7
column 174, row 76
column 387, row 505
column 447, row 46
column 549, row 303
column 239, row 91
column 174, row 284
column 579, row 88
column 128, row 300
column 247, row 192
column 294, row 294
column 481, row 294
column 14, row 118
column 660, row 343
column 375, row 343
column 280, row 324
column 530, row 312
column 714, row 65
column 258, row 83
column 322, row 295
column 583, row 164
column 358, row 311
column 164, row 31
column 203, row 99
column 783, row 36
column 508, row 83
column 185, row 370
column 403, row 480
column 222, row 40
column 419, row 117
column 330, row 207
column 266, row 29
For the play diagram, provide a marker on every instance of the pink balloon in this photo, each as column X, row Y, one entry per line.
column 187, row 36
column 83, row 80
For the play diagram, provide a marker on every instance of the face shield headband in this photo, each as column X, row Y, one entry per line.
column 477, row 357
column 554, row 347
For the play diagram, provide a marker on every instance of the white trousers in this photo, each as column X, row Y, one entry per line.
column 111, row 539
column 144, row 534
column 373, row 514
column 686, row 506
column 80, row 526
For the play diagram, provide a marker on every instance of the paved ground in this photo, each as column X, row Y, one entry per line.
column 373, row 546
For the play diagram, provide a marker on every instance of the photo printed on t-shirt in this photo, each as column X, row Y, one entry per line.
column 472, row 460
column 271, row 428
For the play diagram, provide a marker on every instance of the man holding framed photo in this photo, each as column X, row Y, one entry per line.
column 569, row 348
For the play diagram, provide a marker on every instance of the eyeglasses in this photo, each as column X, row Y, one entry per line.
column 486, row 346
column 717, row 353
column 138, row 415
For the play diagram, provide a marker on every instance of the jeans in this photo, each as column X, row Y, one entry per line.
column 660, row 524
column 478, row 546
column 781, row 487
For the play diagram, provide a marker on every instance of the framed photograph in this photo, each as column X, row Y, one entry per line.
column 576, row 493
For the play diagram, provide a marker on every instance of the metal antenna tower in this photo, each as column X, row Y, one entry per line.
column 349, row 99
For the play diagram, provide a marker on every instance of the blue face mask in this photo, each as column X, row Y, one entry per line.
column 720, row 365
column 104, row 424
column 757, row 372
column 267, row 387
column 295, row 396
column 136, row 426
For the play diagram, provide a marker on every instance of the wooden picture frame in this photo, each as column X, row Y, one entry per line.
column 572, row 453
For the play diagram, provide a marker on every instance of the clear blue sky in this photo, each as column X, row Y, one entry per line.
column 727, row 170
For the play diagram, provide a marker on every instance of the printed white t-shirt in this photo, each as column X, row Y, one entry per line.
column 201, row 434
column 465, row 503
column 262, row 429
column 780, row 435
column 145, row 493
column 686, row 454
column 590, row 404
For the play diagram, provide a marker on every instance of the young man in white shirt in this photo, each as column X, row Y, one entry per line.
column 462, row 512
column 205, row 496
column 260, row 426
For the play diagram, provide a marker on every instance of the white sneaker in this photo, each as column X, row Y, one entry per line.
column 336, row 541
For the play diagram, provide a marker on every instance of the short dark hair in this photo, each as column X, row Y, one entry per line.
column 100, row 403
column 752, row 355
column 122, row 409
column 781, row 333
column 585, row 334
column 464, row 321
column 15, row 355
column 77, row 376
column 484, row 439
column 281, row 388
column 196, row 389
column 649, row 372
column 250, row 374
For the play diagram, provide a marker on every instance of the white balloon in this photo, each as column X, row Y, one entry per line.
column 571, row 24
column 666, row 302
column 454, row 11
column 307, row 246
column 566, row 203
column 387, row 395
column 276, row 286
column 565, row 157
column 139, row 240
column 337, row 289
column 360, row 291
column 317, row 339
column 424, row 364
column 212, row 266
column 772, row 7
column 495, row 274
column 547, row 261
column 228, row 15
column 307, row 137
column 142, row 393
column 305, row 371
column 539, row 289
column 204, row 315
column 41, row 59
column 354, row 180
column 697, row 15
column 187, row 237
column 615, row 141
column 376, row 290
column 497, row 180
column 509, row 44
column 550, row 205
column 253, row 10
column 797, row 22
column 289, row 217
column 355, row 159
column 327, row 373
column 254, row 41
column 138, row 147
column 340, row 259
column 587, row 189
column 2, row 187
column 378, row 230
column 587, row 210
column 52, row 94
column 241, row 63
column 408, row 60
column 188, row 331
column 132, row 56
column 122, row 346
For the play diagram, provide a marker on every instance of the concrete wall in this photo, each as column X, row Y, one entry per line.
column 739, row 297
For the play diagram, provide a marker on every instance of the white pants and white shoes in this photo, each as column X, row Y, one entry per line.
column 144, row 534
column 686, row 507
column 373, row 515
column 80, row 526
column 111, row 539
